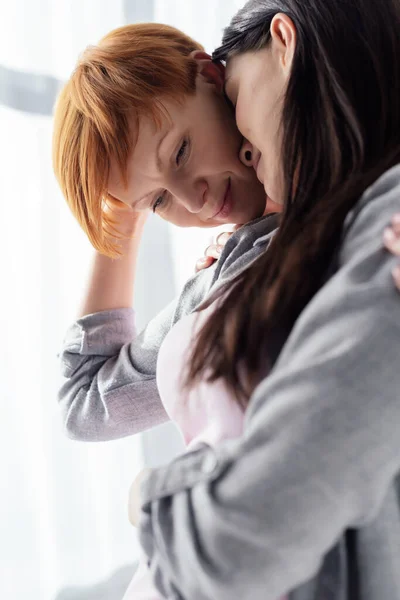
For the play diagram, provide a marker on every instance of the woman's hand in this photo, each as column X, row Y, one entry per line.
column 391, row 239
column 213, row 251
column 134, row 503
column 127, row 221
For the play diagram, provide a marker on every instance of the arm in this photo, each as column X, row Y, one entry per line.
column 110, row 389
column 320, row 447
column 95, row 408
column 111, row 281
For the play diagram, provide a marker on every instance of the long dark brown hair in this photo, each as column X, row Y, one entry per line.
column 342, row 117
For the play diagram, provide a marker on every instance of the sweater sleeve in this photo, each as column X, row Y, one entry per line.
column 109, row 388
column 320, row 447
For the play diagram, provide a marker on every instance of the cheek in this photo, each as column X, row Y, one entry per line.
column 226, row 138
column 248, row 122
column 242, row 119
column 219, row 134
column 179, row 216
column 220, row 153
column 269, row 110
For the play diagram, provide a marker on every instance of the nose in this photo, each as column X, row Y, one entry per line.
column 191, row 195
column 248, row 154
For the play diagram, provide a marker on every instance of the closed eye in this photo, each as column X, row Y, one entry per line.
column 159, row 201
column 181, row 155
column 182, row 152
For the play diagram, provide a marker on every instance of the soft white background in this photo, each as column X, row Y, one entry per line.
column 63, row 523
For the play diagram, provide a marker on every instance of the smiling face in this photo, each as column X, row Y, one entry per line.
column 189, row 171
column 255, row 84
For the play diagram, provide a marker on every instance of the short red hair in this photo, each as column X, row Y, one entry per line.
column 127, row 74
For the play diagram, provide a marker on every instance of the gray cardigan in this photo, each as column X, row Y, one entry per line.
column 110, row 387
column 308, row 499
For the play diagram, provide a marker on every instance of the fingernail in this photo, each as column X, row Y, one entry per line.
column 388, row 235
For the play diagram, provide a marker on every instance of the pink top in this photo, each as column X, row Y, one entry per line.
column 207, row 413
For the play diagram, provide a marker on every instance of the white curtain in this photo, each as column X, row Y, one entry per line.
column 64, row 533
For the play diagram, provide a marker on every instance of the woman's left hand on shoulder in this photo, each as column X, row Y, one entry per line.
column 213, row 251
column 391, row 239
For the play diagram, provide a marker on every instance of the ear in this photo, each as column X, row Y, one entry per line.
column 211, row 71
column 283, row 34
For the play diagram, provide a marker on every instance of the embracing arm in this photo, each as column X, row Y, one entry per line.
column 109, row 389
column 319, row 450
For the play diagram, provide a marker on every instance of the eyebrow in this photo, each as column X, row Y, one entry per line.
column 158, row 158
column 158, row 161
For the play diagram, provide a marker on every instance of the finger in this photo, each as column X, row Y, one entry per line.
column 214, row 251
column 204, row 263
column 396, row 223
column 392, row 241
column 396, row 276
column 223, row 237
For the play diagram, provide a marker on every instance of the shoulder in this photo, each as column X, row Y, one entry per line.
column 245, row 245
column 359, row 297
column 364, row 225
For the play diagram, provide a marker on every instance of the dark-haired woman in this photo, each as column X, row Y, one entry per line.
column 306, row 501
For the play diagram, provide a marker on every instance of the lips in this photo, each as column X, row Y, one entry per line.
column 226, row 206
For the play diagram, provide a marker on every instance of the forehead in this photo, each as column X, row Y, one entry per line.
column 147, row 135
column 143, row 135
column 233, row 74
column 247, row 74
column 141, row 165
column 148, row 129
